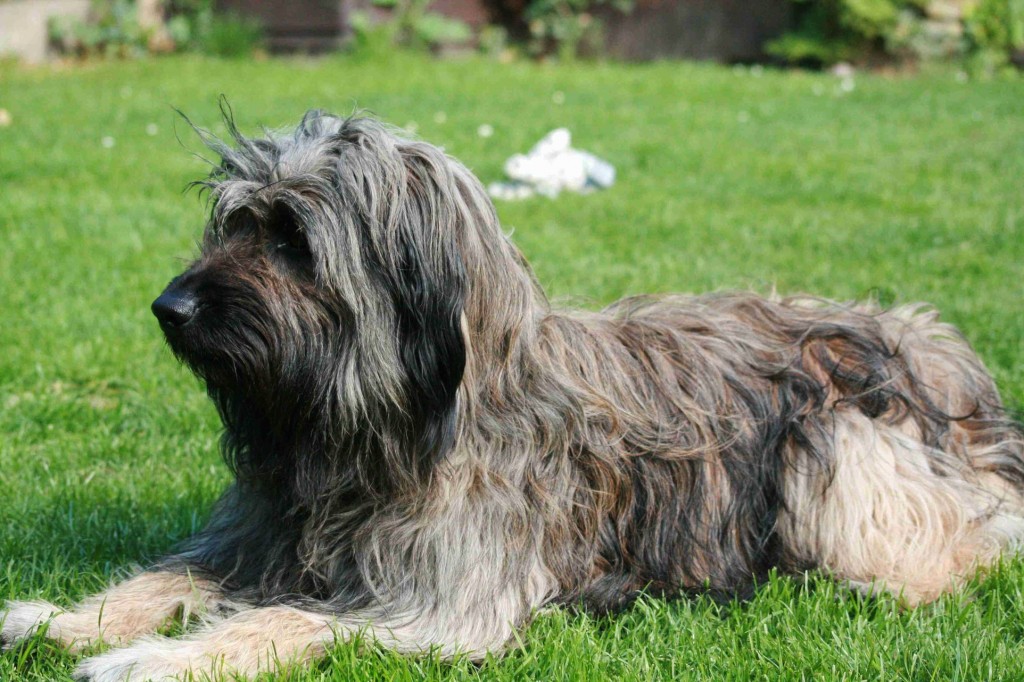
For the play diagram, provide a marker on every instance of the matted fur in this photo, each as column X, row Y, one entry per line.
column 426, row 451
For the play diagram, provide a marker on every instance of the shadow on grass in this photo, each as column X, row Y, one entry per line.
column 74, row 543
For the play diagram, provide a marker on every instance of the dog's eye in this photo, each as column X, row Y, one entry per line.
column 295, row 242
column 287, row 235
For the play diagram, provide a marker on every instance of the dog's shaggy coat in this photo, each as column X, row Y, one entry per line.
column 426, row 451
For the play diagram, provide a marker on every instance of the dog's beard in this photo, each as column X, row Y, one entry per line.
column 241, row 341
column 223, row 365
column 226, row 355
column 273, row 386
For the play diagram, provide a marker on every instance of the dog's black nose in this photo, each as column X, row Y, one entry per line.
column 175, row 307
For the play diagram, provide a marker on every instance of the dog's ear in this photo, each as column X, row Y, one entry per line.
column 429, row 289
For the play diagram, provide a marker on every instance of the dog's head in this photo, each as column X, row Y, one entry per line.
column 326, row 309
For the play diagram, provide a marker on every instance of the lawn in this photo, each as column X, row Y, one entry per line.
column 905, row 188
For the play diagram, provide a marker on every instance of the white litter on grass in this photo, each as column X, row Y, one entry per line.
column 551, row 167
column 843, row 70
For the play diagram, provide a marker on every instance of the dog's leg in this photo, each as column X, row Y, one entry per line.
column 277, row 638
column 252, row 641
column 472, row 611
column 137, row 606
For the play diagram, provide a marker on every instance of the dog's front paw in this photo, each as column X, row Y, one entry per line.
column 150, row 659
column 21, row 619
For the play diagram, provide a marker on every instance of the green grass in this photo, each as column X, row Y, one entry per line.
column 906, row 189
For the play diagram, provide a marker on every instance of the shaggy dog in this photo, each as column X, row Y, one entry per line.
column 425, row 451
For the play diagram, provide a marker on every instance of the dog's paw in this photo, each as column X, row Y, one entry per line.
column 151, row 659
column 20, row 619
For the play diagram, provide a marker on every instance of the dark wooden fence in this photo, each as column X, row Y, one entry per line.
column 296, row 25
column 721, row 30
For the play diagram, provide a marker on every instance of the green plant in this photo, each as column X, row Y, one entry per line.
column 185, row 18
column 832, row 30
column 989, row 32
column 493, row 40
column 408, row 24
column 870, row 18
column 228, row 35
column 436, row 29
column 568, row 27
column 372, row 41
column 996, row 29
column 808, row 48
column 112, row 30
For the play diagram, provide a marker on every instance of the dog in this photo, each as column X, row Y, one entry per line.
column 425, row 452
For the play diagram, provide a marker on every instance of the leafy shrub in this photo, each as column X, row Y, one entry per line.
column 996, row 29
column 568, row 27
column 437, row 29
column 833, row 30
column 494, row 41
column 227, row 35
column 371, row 41
column 408, row 24
column 112, row 29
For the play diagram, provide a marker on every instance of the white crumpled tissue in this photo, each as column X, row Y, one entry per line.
column 552, row 166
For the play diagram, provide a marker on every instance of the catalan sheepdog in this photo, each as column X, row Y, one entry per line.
column 425, row 451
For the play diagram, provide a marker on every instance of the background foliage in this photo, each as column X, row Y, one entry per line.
column 113, row 30
column 987, row 34
column 829, row 31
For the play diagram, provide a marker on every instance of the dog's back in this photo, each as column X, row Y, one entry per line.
column 729, row 434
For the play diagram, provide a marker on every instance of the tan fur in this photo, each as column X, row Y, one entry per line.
column 138, row 606
column 896, row 514
column 885, row 520
column 259, row 640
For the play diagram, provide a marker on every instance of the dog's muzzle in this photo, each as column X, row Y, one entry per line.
column 176, row 306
